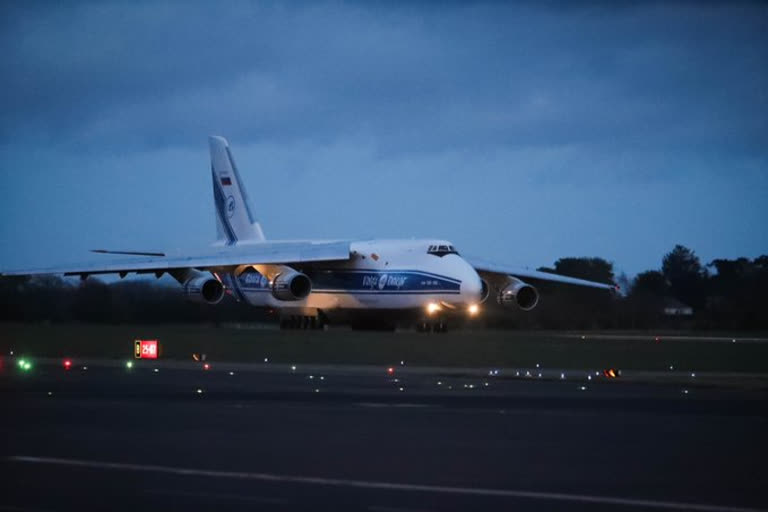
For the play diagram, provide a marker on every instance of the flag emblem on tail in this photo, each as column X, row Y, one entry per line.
column 226, row 181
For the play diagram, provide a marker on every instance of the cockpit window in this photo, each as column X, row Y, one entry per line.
column 441, row 250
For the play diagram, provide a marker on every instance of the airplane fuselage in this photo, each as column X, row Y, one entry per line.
column 381, row 274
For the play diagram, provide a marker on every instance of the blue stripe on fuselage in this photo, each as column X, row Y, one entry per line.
column 364, row 282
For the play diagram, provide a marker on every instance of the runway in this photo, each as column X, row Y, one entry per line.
column 268, row 437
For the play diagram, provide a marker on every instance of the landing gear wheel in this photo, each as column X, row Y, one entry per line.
column 440, row 327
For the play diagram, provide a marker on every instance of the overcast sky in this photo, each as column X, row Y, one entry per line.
column 521, row 133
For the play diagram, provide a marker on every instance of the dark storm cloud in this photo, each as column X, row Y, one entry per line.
column 602, row 121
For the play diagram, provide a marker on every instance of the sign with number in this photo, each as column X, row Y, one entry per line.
column 145, row 349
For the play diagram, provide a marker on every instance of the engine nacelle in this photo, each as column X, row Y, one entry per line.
column 204, row 289
column 485, row 290
column 291, row 285
column 518, row 293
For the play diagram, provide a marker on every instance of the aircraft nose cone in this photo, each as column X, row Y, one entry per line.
column 471, row 286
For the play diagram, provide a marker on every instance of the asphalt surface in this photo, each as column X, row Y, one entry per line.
column 265, row 437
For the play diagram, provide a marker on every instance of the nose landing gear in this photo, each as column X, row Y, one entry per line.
column 432, row 325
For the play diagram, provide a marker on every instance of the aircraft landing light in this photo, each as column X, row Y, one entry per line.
column 473, row 309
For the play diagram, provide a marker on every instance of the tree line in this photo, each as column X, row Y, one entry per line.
column 723, row 294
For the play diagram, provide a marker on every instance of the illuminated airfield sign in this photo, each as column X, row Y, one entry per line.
column 145, row 349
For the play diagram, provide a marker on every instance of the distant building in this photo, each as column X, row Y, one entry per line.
column 673, row 307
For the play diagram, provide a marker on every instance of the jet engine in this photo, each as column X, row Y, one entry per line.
column 485, row 290
column 291, row 285
column 519, row 294
column 204, row 289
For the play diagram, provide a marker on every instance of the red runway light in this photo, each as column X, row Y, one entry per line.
column 67, row 364
column 391, row 370
column 206, row 366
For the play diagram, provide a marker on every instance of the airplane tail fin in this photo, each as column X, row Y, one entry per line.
column 234, row 218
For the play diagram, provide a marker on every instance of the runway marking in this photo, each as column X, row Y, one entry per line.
column 375, row 508
column 363, row 484
column 384, row 405
column 13, row 508
column 218, row 496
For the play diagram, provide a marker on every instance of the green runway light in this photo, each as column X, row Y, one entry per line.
column 129, row 364
column 25, row 365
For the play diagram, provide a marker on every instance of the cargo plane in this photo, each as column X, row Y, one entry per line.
column 367, row 283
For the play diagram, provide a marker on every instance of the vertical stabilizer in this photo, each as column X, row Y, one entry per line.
column 235, row 221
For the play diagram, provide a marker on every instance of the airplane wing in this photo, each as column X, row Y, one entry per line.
column 485, row 267
column 215, row 258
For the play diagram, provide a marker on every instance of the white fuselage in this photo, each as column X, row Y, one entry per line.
column 381, row 274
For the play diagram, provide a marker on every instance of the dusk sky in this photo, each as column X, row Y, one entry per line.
column 522, row 133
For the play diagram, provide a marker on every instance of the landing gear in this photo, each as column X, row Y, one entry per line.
column 436, row 326
column 301, row 322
